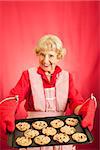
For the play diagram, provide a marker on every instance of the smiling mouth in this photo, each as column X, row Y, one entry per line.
column 46, row 65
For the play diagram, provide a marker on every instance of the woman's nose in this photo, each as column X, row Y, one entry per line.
column 46, row 59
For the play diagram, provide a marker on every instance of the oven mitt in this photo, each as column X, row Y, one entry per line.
column 10, row 110
column 7, row 115
column 87, row 111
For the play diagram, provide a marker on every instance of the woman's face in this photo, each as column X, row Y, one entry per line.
column 48, row 60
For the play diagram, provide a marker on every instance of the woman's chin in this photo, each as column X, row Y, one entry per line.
column 46, row 69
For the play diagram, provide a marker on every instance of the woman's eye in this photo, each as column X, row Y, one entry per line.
column 41, row 54
column 51, row 56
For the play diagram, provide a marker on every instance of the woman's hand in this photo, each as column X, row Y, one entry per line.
column 7, row 115
column 87, row 111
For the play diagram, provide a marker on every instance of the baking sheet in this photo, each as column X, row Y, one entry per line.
column 12, row 136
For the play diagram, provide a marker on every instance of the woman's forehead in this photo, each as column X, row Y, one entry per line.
column 43, row 51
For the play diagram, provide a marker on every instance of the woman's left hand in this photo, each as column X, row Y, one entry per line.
column 87, row 111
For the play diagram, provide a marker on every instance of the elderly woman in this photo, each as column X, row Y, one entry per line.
column 48, row 91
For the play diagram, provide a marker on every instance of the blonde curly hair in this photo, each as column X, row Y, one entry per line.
column 51, row 42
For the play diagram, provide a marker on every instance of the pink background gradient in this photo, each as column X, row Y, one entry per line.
column 76, row 23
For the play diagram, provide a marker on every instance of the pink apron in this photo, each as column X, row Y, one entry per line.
column 49, row 101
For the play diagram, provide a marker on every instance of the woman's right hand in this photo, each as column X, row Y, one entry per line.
column 7, row 115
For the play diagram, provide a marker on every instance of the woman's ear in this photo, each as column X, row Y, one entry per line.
column 64, row 52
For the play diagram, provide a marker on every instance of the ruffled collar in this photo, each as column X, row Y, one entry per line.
column 53, row 76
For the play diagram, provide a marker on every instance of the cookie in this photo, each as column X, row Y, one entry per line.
column 71, row 121
column 79, row 137
column 61, row 138
column 30, row 133
column 42, row 140
column 49, row 131
column 39, row 125
column 57, row 123
column 22, row 126
column 23, row 141
column 68, row 130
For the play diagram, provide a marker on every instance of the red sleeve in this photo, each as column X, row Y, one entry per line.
column 74, row 96
column 22, row 88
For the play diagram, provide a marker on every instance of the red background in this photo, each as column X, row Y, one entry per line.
column 76, row 23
